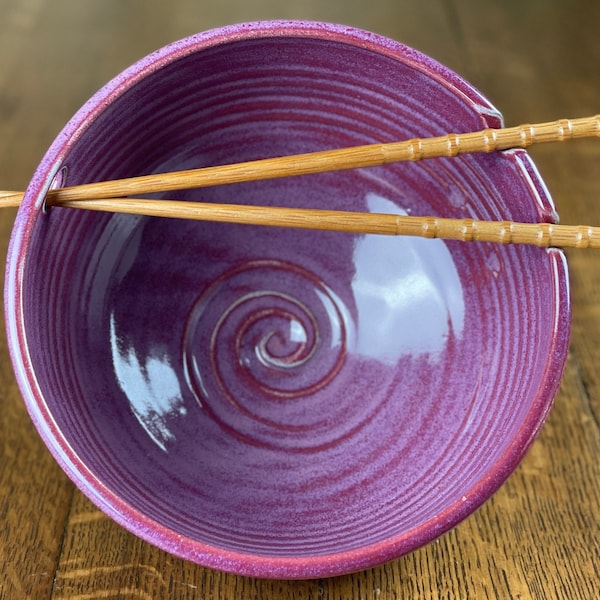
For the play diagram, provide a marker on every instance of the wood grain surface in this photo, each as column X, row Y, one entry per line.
column 538, row 537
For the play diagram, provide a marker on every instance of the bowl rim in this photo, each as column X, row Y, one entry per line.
column 304, row 567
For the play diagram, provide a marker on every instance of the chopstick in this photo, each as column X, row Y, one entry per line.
column 450, row 145
column 504, row 232
column 91, row 196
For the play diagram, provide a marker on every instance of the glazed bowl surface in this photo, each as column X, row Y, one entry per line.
column 272, row 402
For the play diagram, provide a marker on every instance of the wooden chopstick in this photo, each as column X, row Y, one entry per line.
column 90, row 196
column 8, row 198
column 504, row 232
column 453, row 144
column 449, row 145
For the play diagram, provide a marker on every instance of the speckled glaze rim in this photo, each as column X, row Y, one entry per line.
column 126, row 515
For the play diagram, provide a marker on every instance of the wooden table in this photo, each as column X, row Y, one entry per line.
column 538, row 537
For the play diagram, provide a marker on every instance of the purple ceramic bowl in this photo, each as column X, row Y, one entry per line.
column 285, row 403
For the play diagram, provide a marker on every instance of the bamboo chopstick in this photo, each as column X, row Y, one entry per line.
column 91, row 196
column 450, row 145
column 504, row 232
column 10, row 198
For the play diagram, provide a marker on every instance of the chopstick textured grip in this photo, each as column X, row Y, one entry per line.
column 544, row 235
column 492, row 140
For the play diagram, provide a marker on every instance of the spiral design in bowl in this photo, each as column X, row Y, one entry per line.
column 259, row 341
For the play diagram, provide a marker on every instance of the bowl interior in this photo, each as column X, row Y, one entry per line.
column 236, row 391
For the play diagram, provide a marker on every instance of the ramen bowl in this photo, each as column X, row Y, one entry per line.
column 273, row 402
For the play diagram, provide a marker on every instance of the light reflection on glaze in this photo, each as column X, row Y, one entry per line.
column 151, row 386
column 407, row 292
